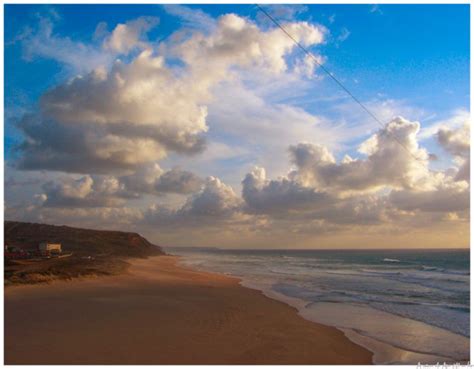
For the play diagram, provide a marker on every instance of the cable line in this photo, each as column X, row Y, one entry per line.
column 339, row 83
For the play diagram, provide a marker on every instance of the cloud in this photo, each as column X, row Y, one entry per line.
column 128, row 36
column 455, row 119
column 81, row 193
column 41, row 41
column 457, row 141
column 381, row 188
column 343, row 35
column 263, row 196
column 240, row 42
column 191, row 17
column 137, row 112
column 216, row 199
column 113, row 120
column 178, row 181
column 152, row 179
column 124, row 218
column 443, row 199
column 286, row 198
column 264, row 127
column 213, row 204
column 375, row 8
column 393, row 159
column 218, row 98
column 281, row 12
column 111, row 191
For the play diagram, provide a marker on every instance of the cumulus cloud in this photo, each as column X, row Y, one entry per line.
column 111, row 191
column 116, row 119
column 138, row 104
column 213, row 204
column 278, row 196
column 443, row 199
column 41, row 40
column 137, row 112
column 178, row 181
column 215, row 199
column 152, row 179
column 388, row 183
column 91, row 217
column 240, row 42
column 286, row 198
column 81, row 193
column 128, row 36
column 394, row 159
column 457, row 141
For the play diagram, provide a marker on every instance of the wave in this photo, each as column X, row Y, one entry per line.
column 426, row 290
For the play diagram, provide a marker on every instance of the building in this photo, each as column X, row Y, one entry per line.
column 50, row 247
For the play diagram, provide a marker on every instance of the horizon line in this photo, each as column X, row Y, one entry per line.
column 318, row 249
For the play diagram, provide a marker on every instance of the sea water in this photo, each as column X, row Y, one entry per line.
column 407, row 306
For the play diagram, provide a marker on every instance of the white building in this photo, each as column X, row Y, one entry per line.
column 51, row 247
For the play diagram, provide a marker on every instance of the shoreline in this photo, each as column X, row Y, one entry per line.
column 163, row 313
column 384, row 352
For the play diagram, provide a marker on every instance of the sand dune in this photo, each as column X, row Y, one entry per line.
column 161, row 313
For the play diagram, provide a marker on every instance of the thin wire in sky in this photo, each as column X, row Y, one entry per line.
column 339, row 83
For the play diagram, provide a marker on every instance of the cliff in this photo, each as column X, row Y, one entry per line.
column 78, row 240
column 87, row 252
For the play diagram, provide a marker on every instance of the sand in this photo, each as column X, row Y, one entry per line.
column 162, row 313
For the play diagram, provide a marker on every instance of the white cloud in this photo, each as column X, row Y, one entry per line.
column 344, row 193
column 456, row 119
column 79, row 56
column 134, row 104
column 137, row 112
column 41, row 41
column 214, row 204
column 110, row 191
column 191, row 17
column 281, row 196
column 457, row 141
column 445, row 199
column 393, row 159
column 237, row 41
column 264, row 128
column 128, row 36
column 81, row 193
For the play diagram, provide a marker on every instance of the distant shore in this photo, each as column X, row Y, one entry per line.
column 162, row 313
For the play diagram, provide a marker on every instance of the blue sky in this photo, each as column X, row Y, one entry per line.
column 413, row 53
column 399, row 60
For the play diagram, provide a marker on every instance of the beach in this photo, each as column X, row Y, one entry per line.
column 163, row 313
column 405, row 306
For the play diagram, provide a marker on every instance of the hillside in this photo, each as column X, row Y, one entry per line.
column 78, row 240
column 94, row 252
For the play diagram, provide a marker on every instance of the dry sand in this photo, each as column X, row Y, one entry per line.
column 161, row 313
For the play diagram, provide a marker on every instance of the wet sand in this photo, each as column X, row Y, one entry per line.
column 162, row 313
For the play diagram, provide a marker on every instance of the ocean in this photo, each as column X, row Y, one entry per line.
column 407, row 306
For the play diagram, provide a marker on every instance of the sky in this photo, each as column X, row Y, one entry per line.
column 205, row 125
